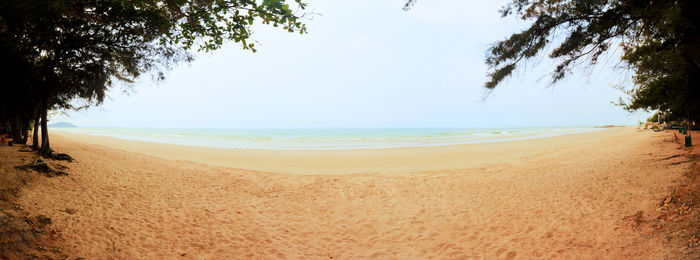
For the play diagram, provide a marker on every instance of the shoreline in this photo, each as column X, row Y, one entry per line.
column 419, row 159
column 487, row 137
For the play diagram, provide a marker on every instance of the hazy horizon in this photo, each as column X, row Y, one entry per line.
column 367, row 65
column 52, row 125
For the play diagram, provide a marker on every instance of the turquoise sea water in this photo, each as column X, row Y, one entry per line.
column 325, row 139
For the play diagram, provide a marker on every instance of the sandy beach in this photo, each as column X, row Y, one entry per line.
column 571, row 196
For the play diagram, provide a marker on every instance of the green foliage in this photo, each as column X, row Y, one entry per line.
column 666, row 61
column 213, row 21
column 659, row 40
column 589, row 29
column 654, row 118
column 56, row 52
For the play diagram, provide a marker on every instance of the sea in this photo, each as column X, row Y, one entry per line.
column 327, row 139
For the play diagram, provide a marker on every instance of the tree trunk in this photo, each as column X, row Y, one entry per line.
column 15, row 131
column 20, row 131
column 45, row 148
column 24, row 132
column 35, row 134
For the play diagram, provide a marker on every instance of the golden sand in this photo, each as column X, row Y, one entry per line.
column 560, row 197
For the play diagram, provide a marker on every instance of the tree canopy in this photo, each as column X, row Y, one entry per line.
column 660, row 42
column 56, row 52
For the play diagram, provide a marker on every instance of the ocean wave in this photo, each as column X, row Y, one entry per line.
column 327, row 138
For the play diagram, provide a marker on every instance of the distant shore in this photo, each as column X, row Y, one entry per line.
column 567, row 196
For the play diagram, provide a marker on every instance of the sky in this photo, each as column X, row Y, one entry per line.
column 368, row 64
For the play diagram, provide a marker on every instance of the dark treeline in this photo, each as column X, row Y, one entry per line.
column 56, row 53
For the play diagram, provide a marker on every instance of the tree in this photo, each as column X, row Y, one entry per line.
column 659, row 38
column 15, row 101
column 655, row 118
column 667, row 64
column 77, row 48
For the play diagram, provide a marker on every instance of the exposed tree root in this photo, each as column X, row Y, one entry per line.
column 672, row 156
column 678, row 218
column 59, row 157
column 40, row 165
column 25, row 237
column 62, row 157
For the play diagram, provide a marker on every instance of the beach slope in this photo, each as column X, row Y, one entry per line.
column 571, row 196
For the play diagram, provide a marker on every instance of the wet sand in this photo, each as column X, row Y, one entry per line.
column 571, row 196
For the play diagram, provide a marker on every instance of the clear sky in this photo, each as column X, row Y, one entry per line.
column 368, row 64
